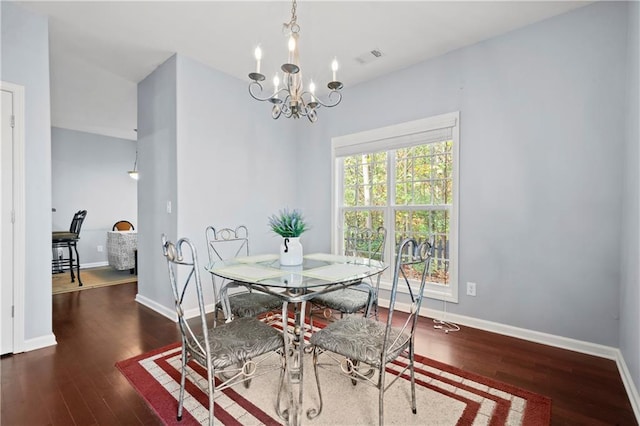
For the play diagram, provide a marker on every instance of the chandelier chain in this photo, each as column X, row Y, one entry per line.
column 293, row 23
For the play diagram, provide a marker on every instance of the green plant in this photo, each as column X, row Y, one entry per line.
column 287, row 223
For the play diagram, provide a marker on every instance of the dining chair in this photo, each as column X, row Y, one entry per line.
column 359, row 242
column 69, row 240
column 238, row 347
column 227, row 243
column 350, row 342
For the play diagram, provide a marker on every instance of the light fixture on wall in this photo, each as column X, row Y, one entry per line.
column 134, row 173
column 292, row 100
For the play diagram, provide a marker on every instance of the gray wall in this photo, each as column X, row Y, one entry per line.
column 630, row 279
column 218, row 157
column 89, row 172
column 157, row 184
column 25, row 61
column 541, row 143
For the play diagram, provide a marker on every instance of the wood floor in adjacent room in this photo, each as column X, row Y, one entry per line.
column 76, row 383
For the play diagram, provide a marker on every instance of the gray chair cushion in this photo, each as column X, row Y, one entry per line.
column 347, row 300
column 239, row 340
column 252, row 304
column 359, row 339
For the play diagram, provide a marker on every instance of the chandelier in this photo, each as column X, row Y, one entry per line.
column 134, row 173
column 292, row 100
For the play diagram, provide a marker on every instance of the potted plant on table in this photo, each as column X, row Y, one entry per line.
column 289, row 224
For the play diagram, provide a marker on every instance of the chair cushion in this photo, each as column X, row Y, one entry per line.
column 64, row 236
column 252, row 304
column 239, row 340
column 347, row 300
column 359, row 339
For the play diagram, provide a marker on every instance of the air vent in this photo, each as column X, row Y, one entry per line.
column 368, row 57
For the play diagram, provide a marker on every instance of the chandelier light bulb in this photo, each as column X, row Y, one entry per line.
column 292, row 48
column 312, row 89
column 334, row 68
column 276, row 83
column 258, row 55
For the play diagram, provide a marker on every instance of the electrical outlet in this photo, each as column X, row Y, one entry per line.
column 100, row 249
column 471, row 289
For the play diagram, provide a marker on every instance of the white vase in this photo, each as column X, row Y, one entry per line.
column 290, row 251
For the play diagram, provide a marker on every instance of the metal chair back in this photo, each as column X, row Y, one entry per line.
column 226, row 243
column 366, row 242
column 76, row 222
column 182, row 256
column 412, row 260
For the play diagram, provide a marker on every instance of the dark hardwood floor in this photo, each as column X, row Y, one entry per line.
column 76, row 382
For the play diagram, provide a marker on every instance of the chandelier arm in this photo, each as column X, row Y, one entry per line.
column 332, row 103
column 286, row 109
column 252, row 86
column 287, row 112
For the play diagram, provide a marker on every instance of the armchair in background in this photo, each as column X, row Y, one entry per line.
column 122, row 247
column 123, row 225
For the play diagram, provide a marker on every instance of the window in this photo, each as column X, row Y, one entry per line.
column 403, row 177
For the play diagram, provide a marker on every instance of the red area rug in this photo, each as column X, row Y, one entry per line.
column 445, row 396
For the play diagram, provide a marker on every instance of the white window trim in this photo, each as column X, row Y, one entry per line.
column 379, row 140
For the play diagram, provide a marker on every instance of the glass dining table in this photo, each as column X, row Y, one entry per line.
column 319, row 273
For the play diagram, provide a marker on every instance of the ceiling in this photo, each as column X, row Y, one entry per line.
column 101, row 50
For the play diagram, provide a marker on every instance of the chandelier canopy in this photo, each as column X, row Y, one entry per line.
column 292, row 100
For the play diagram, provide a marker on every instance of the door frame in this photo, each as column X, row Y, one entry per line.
column 19, row 228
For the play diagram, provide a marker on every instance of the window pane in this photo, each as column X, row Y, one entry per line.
column 424, row 174
column 349, row 195
column 365, row 176
column 363, row 219
column 422, row 192
column 420, row 225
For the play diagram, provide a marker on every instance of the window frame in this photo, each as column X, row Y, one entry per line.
column 388, row 139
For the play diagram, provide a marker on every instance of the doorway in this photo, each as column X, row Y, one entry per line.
column 12, row 230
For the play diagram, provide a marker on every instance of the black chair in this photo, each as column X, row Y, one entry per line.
column 69, row 240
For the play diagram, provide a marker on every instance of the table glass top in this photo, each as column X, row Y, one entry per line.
column 317, row 270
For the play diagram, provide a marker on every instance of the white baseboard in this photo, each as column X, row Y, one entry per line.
column 194, row 312
column 629, row 386
column 93, row 265
column 39, row 343
column 588, row 348
column 162, row 310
